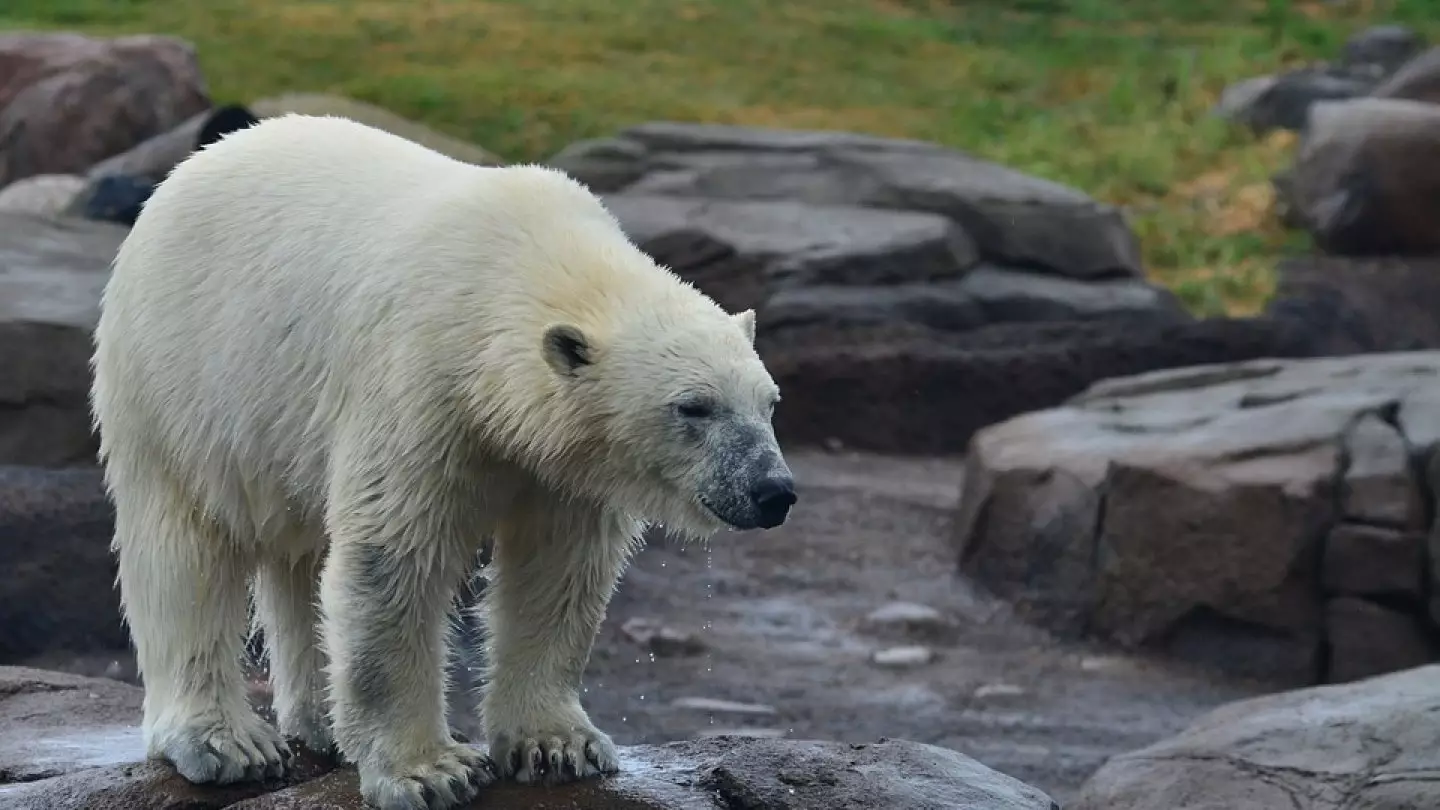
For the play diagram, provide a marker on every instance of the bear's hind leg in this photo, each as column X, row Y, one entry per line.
column 556, row 568
column 287, row 608
column 182, row 588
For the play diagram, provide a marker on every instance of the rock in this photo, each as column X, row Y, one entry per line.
column 41, row 194
column 1180, row 510
column 56, row 724
column 994, row 690
column 1367, row 745
column 1015, row 220
column 51, row 274
column 983, row 296
column 114, row 198
column 1367, row 639
column 1283, row 102
column 741, row 252
column 1417, row 80
column 378, row 117
column 717, row 706
column 68, row 101
column 117, row 187
column 660, row 639
column 1373, row 561
column 911, row 619
column 57, row 588
column 1432, row 542
column 1383, row 304
column 955, row 383
column 1381, row 49
column 1363, row 182
column 741, row 771
column 903, row 657
column 1379, row 486
column 153, row 159
column 73, row 742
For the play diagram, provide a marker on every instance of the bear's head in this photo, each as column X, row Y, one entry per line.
column 681, row 407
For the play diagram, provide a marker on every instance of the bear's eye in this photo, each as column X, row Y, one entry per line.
column 695, row 409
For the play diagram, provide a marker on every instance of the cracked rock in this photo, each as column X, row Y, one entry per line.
column 1368, row 744
column 1186, row 510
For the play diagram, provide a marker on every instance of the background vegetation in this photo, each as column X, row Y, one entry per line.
column 1111, row 96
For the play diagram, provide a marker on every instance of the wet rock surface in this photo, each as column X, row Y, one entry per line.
column 72, row 742
column 1369, row 744
column 1199, row 511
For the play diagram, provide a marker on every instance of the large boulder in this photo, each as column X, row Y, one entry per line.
column 1418, row 80
column 1366, row 178
column 43, row 194
column 1381, row 304
column 1283, row 101
column 1014, row 219
column 116, row 188
column 71, row 742
column 58, row 601
column 1197, row 510
column 52, row 271
column 906, row 387
column 742, row 252
column 68, row 101
column 1367, row 745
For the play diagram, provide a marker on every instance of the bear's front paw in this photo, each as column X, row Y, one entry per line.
column 223, row 750
column 453, row 779
column 533, row 756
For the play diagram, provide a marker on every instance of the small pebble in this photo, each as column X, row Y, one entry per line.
column 723, row 706
column 661, row 639
column 990, row 690
column 899, row 657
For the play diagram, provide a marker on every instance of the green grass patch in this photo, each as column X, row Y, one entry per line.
column 1111, row 96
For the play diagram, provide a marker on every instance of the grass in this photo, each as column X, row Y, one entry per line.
column 1111, row 96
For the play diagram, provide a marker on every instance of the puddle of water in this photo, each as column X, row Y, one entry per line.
column 90, row 748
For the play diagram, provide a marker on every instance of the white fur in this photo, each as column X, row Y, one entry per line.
column 319, row 367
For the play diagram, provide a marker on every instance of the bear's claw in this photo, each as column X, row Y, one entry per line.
column 551, row 759
column 451, row 781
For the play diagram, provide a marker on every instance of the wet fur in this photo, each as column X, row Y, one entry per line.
column 319, row 373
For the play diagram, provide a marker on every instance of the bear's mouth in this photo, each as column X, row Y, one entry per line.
column 717, row 514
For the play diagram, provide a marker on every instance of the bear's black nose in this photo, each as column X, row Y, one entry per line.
column 773, row 496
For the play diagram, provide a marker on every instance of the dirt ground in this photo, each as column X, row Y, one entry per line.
column 776, row 626
column 782, row 616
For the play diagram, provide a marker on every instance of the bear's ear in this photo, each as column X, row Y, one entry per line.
column 746, row 320
column 566, row 349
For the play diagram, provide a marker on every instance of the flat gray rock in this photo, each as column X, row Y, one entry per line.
column 741, row 252
column 1190, row 509
column 1014, row 219
column 52, row 271
column 1370, row 744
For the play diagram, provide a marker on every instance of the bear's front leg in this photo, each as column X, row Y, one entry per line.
column 385, row 620
column 556, row 568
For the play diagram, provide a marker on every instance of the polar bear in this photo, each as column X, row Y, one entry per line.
column 329, row 363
